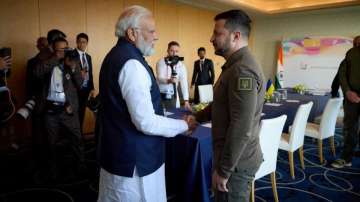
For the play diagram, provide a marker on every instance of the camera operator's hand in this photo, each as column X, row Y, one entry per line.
column 172, row 80
column 5, row 62
column 187, row 106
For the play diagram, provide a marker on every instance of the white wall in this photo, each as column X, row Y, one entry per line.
column 269, row 31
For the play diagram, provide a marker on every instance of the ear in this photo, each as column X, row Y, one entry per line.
column 237, row 36
column 130, row 33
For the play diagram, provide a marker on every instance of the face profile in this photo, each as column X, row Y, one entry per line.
column 146, row 36
column 220, row 38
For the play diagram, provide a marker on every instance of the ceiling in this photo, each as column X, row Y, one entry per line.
column 271, row 6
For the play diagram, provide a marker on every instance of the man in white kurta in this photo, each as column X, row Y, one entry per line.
column 135, row 84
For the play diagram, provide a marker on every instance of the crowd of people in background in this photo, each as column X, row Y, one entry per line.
column 130, row 122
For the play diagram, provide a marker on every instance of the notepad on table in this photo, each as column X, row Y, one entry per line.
column 273, row 104
column 292, row 100
column 208, row 125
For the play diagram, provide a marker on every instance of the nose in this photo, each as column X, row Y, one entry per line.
column 212, row 38
column 155, row 36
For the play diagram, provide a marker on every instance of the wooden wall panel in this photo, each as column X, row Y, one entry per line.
column 101, row 30
column 19, row 27
column 67, row 15
column 166, row 19
column 188, row 20
column 206, row 28
column 149, row 4
column 174, row 21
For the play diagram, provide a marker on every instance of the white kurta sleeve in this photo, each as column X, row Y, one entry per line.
column 135, row 85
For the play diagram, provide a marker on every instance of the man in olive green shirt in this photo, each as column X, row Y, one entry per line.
column 349, row 75
column 236, row 109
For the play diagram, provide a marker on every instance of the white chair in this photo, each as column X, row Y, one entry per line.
column 205, row 93
column 326, row 129
column 269, row 135
column 295, row 140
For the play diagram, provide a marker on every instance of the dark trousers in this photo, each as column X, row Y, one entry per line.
column 83, row 98
column 61, row 121
column 351, row 129
column 168, row 104
column 39, row 139
column 196, row 95
column 239, row 186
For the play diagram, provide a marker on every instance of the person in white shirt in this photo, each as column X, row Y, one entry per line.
column 170, row 77
column 132, row 122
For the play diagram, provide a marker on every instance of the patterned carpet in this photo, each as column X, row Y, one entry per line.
column 315, row 183
column 20, row 181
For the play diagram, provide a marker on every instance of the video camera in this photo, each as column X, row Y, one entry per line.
column 27, row 109
column 173, row 60
column 4, row 52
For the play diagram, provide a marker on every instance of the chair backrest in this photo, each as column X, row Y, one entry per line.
column 269, row 137
column 206, row 93
column 297, row 132
column 328, row 119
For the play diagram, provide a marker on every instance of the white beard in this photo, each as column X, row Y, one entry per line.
column 145, row 48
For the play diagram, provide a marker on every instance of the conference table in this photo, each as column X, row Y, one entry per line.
column 189, row 158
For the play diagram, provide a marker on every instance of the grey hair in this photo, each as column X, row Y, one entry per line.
column 130, row 18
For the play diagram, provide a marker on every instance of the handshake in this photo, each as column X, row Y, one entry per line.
column 191, row 122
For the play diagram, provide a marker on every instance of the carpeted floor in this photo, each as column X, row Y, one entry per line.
column 315, row 183
column 20, row 181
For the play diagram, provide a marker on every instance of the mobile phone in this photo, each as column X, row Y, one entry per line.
column 4, row 52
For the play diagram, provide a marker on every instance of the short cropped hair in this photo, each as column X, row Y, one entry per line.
column 82, row 35
column 201, row 49
column 236, row 20
column 173, row 43
column 54, row 34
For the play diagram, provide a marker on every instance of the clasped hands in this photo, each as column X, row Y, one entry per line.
column 191, row 122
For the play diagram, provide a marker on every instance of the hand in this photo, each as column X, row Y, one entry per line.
column 5, row 62
column 92, row 93
column 83, row 73
column 219, row 183
column 191, row 122
column 172, row 80
column 187, row 106
column 352, row 96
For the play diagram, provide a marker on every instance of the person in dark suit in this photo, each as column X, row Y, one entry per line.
column 335, row 85
column 87, row 87
column 33, row 85
column 203, row 73
column 62, row 79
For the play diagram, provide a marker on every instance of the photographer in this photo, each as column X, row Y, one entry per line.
column 5, row 64
column 170, row 72
column 62, row 80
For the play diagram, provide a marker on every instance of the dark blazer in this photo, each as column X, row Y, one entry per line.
column 90, row 82
column 72, row 82
column 204, row 76
column 239, row 97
